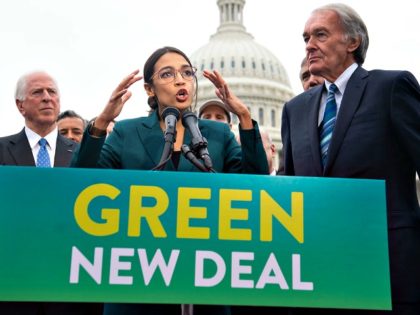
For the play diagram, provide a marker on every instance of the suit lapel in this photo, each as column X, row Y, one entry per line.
column 313, row 102
column 20, row 150
column 151, row 136
column 349, row 104
column 63, row 152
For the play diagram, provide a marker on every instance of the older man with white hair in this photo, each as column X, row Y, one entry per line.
column 38, row 144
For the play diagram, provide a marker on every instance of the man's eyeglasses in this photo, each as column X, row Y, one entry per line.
column 168, row 75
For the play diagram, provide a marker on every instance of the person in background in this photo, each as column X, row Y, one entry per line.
column 39, row 144
column 308, row 79
column 360, row 124
column 169, row 81
column 38, row 100
column 270, row 151
column 71, row 125
column 215, row 110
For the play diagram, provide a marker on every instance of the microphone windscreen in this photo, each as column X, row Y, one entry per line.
column 171, row 111
column 188, row 117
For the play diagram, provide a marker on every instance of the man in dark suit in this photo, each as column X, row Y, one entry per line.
column 16, row 150
column 375, row 129
column 38, row 100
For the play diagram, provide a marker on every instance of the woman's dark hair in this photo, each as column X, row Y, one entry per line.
column 149, row 69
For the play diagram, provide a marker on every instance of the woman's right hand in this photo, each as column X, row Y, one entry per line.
column 117, row 100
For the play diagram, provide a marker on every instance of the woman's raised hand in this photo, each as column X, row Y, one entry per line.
column 117, row 100
column 233, row 103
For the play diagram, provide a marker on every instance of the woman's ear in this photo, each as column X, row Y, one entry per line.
column 149, row 89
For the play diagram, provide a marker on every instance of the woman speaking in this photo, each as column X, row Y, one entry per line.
column 171, row 138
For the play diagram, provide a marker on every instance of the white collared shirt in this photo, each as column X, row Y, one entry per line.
column 341, row 84
column 34, row 138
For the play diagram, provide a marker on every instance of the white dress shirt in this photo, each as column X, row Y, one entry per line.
column 34, row 138
column 341, row 84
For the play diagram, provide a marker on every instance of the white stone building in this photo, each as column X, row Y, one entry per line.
column 253, row 73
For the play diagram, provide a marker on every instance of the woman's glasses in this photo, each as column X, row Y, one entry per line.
column 168, row 75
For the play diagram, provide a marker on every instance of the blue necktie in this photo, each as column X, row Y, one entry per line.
column 43, row 158
column 328, row 122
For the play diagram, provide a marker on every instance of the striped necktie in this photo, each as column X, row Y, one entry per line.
column 328, row 123
column 43, row 158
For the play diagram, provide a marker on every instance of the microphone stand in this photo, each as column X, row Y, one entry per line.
column 190, row 156
column 198, row 146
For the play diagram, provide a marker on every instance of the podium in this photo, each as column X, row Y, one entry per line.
column 93, row 235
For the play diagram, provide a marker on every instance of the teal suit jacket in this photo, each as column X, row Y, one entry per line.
column 138, row 144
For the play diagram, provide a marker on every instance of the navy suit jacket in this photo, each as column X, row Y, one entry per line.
column 15, row 150
column 376, row 136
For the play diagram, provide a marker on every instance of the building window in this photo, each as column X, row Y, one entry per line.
column 253, row 64
column 243, row 64
column 222, row 64
column 212, row 65
column 263, row 65
column 233, row 63
column 273, row 118
column 261, row 116
column 232, row 16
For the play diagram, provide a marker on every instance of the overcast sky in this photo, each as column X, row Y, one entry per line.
column 90, row 45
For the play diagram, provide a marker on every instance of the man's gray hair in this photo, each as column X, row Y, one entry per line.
column 353, row 26
column 22, row 83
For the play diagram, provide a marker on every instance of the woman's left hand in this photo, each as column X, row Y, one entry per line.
column 233, row 103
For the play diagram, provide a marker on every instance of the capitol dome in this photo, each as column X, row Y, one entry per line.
column 234, row 53
column 253, row 73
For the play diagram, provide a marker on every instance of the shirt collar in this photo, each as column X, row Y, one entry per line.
column 343, row 79
column 33, row 138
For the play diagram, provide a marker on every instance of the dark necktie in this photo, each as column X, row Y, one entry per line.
column 43, row 158
column 328, row 123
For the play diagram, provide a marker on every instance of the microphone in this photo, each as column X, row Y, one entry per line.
column 198, row 142
column 171, row 116
column 190, row 156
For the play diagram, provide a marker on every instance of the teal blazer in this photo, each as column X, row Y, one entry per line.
column 138, row 144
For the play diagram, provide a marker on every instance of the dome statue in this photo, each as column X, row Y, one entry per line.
column 253, row 73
